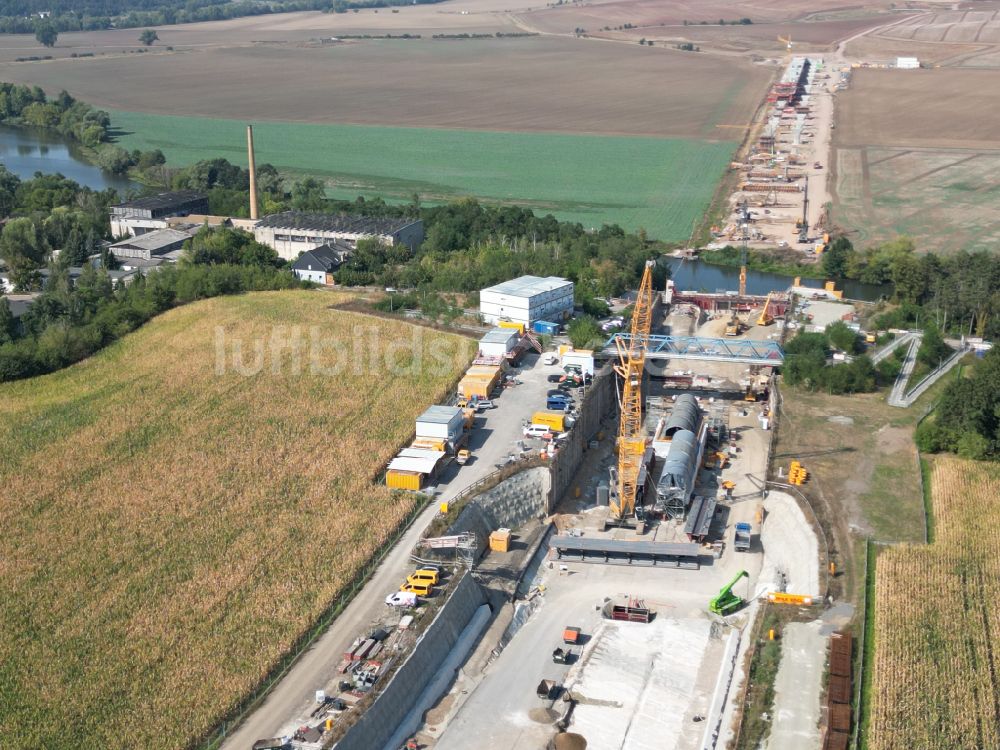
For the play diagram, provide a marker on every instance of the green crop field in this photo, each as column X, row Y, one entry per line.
column 662, row 185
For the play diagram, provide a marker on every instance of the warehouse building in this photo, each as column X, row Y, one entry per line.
column 292, row 232
column 527, row 299
column 164, row 244
column 147, row 214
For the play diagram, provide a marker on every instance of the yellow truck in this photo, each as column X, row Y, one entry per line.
column 553, row 420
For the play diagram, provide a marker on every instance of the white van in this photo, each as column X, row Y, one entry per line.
column 537, row 431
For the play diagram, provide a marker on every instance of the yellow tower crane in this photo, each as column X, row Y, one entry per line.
column 631, row 438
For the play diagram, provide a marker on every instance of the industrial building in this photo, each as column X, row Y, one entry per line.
column 147, row 214
column 318, row 264
column 907, row 63
column 160, row 244
column 292, row 232
column 527, row 299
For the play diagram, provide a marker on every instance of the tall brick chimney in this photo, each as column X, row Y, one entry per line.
column 253, row 174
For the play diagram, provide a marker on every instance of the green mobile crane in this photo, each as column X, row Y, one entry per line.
column 726, row 601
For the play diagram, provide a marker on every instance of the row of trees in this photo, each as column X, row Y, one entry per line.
column 22, row 16
column 72, row 119
column 966, row 420
column 807, row 362
column 69, row 322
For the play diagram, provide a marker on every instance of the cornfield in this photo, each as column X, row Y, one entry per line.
column 937, row 622
column 170, row 526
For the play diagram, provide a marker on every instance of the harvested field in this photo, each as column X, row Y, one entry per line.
column 593, row 17
column 921, row 109
column 660, row 184
column 934, row 684
column 278, row 29
column 172, row 526
column 761, row 38
column 910, row 160
column 525, row 84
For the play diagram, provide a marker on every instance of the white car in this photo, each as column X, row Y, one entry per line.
column 550, row 359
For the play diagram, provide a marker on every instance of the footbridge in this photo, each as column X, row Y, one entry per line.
column 739, row 351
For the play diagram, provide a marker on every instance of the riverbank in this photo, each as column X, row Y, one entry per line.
column 772, row 261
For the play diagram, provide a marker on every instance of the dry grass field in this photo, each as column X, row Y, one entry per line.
column 169, row 530
column 935, row 684
column 527, row 84
column 911, row 158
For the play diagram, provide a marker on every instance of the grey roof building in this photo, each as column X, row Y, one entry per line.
column 319, row 263
column 293, row 232
column 153, row 244
column 146, row 214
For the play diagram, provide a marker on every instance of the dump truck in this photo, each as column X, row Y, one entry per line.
column 741, row 541
column 571, row 635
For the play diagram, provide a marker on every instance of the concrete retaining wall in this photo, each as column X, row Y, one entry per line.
column 600, row 401
column 377, row 725
column 510, row 504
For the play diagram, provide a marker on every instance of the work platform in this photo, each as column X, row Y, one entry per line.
column 740, row 351
column 621, row 552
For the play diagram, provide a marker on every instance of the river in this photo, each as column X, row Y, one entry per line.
column 26, row 151
column 694, row 275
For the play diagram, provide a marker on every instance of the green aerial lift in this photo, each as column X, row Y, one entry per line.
column 726, row 601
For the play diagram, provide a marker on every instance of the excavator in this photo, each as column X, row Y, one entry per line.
column 631, row 438
column 726, row 602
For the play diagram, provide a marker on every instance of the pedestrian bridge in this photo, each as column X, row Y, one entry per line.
column 737, row 350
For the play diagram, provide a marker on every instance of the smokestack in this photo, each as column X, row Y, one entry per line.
column 253, row 174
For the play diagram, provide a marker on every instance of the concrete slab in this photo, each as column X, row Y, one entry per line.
column 791, row 550
column 637, row 684
column 797, row 688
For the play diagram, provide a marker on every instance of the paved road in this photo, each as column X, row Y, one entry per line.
column 494, row 437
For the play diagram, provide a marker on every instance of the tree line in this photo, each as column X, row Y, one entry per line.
column 23, row 16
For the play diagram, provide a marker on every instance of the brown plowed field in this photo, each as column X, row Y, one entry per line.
column 533, row 83
column 594, row 16
column 943, row 108
column 757, row 37
column 917, row 153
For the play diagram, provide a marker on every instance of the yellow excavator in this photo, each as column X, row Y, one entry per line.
column 631, row 438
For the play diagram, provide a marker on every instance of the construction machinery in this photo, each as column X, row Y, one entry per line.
column 803, row 224
column 765, row 318
column 631, row 439
column 734, row 326
column 745, row 227
column 726, row 602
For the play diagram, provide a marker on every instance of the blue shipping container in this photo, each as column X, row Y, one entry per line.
column 544, row 326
